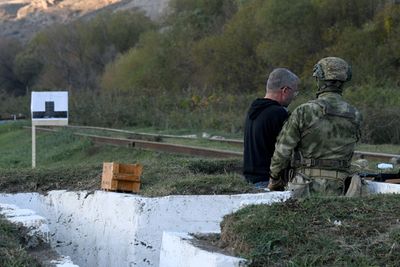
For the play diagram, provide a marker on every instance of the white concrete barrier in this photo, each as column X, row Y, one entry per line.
column 38, row 230
column 113, row 229
column 383, row 188
column 178, row 250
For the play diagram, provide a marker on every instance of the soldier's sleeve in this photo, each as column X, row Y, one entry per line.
column 286, row 142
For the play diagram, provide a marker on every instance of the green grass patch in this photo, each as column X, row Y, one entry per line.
column 12, row 250
column 66, row 161
column 199, row 141
column 385, row 148
column 202, row 142
column 317, row 232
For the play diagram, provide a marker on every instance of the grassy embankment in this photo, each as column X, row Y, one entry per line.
column 68, row 162
column 294, row 233
column 317, row 232
column 12, row 251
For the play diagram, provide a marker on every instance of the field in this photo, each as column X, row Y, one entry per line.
column 337, row 232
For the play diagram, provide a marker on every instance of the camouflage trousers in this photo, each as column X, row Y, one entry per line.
column 309, row 181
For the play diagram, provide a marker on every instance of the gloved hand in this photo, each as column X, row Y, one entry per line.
column 276, row 184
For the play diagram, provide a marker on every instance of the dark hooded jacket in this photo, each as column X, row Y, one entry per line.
column 264, row 121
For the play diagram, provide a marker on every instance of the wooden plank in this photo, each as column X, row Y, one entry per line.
column 121, row 177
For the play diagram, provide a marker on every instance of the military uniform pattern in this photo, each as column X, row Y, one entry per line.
column 332, row 68
column 318, row 136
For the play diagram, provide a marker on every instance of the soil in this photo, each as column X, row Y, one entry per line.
column 211, row 243
column 44, row 254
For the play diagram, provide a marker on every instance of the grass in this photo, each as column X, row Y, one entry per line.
column 12, row 250
column 199, row 141
column 66, row 161
column 385, row 148
column 317, row 232
column 69, row 162
column 288, row 234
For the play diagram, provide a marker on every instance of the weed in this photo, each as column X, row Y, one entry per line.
column 12, row 250
column 317, row 231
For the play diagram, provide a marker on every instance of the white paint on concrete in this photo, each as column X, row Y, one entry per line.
column 64, row 261
column 383, row 188
column 114, row 229
column 37, row 226
column 177, row 250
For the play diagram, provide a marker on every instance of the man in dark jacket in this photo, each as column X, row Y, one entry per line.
column 264, row 121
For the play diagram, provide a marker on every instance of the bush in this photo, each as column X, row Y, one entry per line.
column 380, row 107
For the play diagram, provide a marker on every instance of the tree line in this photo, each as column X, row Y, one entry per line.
column 201, row 65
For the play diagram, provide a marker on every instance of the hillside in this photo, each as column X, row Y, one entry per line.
column 22, row 18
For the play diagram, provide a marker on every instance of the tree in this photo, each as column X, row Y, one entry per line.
column 74, row 55
column 229, row 61
column 9, row 81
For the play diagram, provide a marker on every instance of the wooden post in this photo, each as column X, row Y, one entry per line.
column 33, row 146
column 48, row 108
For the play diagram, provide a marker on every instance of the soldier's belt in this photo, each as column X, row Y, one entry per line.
column 336, row 175
column 322, row 163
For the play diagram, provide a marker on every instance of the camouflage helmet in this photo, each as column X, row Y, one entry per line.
column 332, row 69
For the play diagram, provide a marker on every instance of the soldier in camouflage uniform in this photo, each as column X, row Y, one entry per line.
column 319, row 138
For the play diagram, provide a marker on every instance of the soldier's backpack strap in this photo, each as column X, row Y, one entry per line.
column 328, row 110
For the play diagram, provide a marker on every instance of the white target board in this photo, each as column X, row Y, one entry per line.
column 49, row 108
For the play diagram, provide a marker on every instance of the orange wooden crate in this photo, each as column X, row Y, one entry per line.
column 121, row 177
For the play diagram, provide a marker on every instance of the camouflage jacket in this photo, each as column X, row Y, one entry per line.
column 325, row 128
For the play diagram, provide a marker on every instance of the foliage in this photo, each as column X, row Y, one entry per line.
column 316, row 232
column 18, row 105
column 154, row 63
column 163, row 110
column 201, row 66
column 9, row 81
column 65, row 161
column 74, row 56
column 12, row 250
column 163, row 58
column 199, row 18
column 379, row 106
column 228, row 62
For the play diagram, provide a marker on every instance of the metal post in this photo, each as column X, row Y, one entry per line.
column 33, row 146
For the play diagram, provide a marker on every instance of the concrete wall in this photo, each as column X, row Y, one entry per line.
column 38, row 231
column 177, row 250
column 113, row 229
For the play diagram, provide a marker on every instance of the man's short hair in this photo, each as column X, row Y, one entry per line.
column 281, row 77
